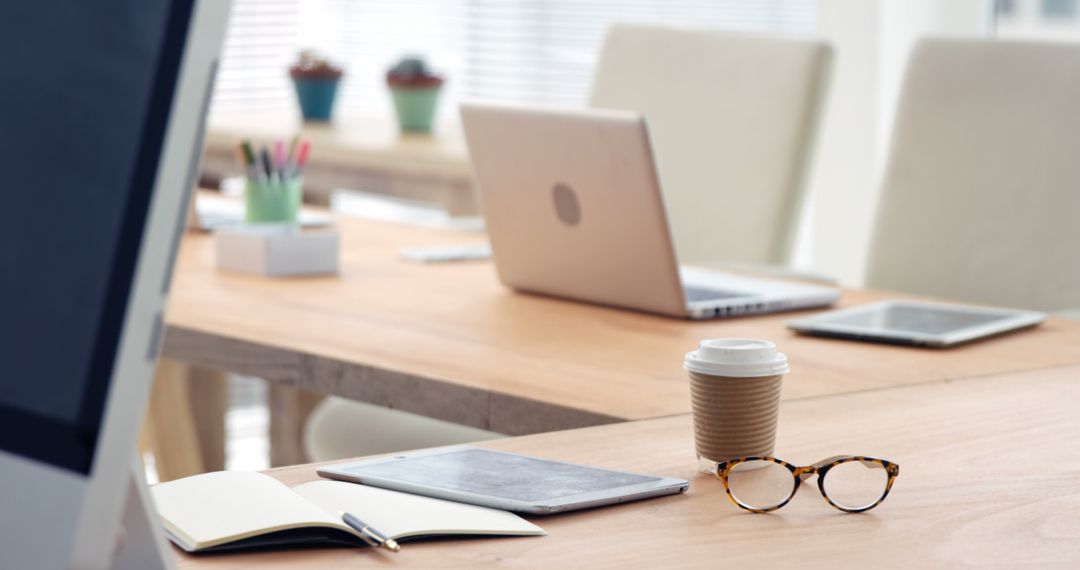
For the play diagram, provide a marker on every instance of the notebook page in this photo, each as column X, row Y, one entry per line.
column 215, row 508
column 400, row 515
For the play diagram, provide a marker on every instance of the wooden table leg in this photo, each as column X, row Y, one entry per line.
column 289, row 409
column 185, row 428
column 174, row 441
column 208, row 391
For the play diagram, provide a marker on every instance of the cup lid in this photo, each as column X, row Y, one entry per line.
column 737, row 358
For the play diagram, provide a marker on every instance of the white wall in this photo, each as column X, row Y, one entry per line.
column 871, row 39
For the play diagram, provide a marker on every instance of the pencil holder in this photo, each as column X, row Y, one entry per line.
column 273, row 201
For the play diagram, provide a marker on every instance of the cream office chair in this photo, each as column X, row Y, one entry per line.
column 981, row 196
column 340, row 428
column 732, row 118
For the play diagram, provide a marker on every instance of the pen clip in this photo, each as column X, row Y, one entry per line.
column 370, row 538
column 369, row 535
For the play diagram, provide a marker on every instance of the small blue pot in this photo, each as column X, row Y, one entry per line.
column 316, row 97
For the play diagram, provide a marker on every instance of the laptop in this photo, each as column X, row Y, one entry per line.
column 573, row 209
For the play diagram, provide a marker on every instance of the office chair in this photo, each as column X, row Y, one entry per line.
column 338, row 428
column 981, row 194
column 732, row 117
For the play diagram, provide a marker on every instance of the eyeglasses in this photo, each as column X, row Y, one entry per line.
column 850, row 483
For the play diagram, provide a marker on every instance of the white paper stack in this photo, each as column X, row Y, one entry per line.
column 277, row 250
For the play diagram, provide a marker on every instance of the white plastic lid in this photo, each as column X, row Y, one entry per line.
column 737, row 358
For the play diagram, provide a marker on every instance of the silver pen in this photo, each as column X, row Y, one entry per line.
column 369, row 534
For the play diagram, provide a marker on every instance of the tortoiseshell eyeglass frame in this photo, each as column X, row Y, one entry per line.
column 821, row 469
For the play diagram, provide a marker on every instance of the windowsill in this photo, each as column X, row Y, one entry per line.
column 367, row 141
column 356, row 152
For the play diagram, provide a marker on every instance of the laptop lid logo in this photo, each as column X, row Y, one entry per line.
column 566, row 204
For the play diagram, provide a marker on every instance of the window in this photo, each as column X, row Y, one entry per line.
column 1037, row 19
column 536, row 51
column 1059, row 9
column 260, row 42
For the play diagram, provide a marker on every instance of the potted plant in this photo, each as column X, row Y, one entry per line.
column 415, row 90
column 316, row 82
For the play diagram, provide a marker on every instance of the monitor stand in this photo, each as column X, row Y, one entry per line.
column 140, row 541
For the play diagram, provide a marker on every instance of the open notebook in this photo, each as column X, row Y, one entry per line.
column 229, row 510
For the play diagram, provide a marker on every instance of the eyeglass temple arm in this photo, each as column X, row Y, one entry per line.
column 828, row 460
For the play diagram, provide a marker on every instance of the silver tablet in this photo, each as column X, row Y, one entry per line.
column 915, row 322
column 503, row 480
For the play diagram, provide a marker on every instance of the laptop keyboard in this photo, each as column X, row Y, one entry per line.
column 695, row 294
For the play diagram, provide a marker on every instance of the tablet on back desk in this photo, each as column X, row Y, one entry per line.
column 914, row 322
column 503, row 480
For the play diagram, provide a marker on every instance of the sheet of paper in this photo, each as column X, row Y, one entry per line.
column 227, row 505
column 401, row 515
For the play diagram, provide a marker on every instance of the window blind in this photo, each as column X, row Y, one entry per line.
column 260, row 41
column 531, row 51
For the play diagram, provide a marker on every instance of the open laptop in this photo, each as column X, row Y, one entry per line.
column 573, row 208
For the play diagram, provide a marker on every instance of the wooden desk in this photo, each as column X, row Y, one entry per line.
column 450, row 342
column 988, row 477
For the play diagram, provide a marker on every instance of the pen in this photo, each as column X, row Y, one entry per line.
column 257, row 170
column 279, row 157
column 249, row 153
column 302, row 156
column 292, row 147
column 251, row 163
column 369, row 534
column 267, row 163
column 241, row 159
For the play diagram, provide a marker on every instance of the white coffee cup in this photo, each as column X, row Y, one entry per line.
column 735, row 397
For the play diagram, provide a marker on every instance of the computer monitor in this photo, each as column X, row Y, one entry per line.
column 101, row 119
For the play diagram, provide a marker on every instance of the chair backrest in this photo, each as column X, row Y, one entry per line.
column 732, row 117
column 981, row 197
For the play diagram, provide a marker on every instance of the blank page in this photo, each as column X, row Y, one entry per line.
column 400, row 515
column 214, row 508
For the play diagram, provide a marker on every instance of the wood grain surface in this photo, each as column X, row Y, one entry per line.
column 988, row 478
column 449, row 341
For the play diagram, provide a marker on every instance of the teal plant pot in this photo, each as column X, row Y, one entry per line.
column 316, row 97
column 415, row 107
column 270, row 201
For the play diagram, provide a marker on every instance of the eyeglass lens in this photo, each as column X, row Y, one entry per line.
column 760, row 484
column 856, row 484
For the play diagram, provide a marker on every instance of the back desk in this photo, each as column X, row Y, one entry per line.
column 450, row 342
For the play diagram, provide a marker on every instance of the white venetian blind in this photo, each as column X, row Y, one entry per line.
column 260, row 42
column 537, row 51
